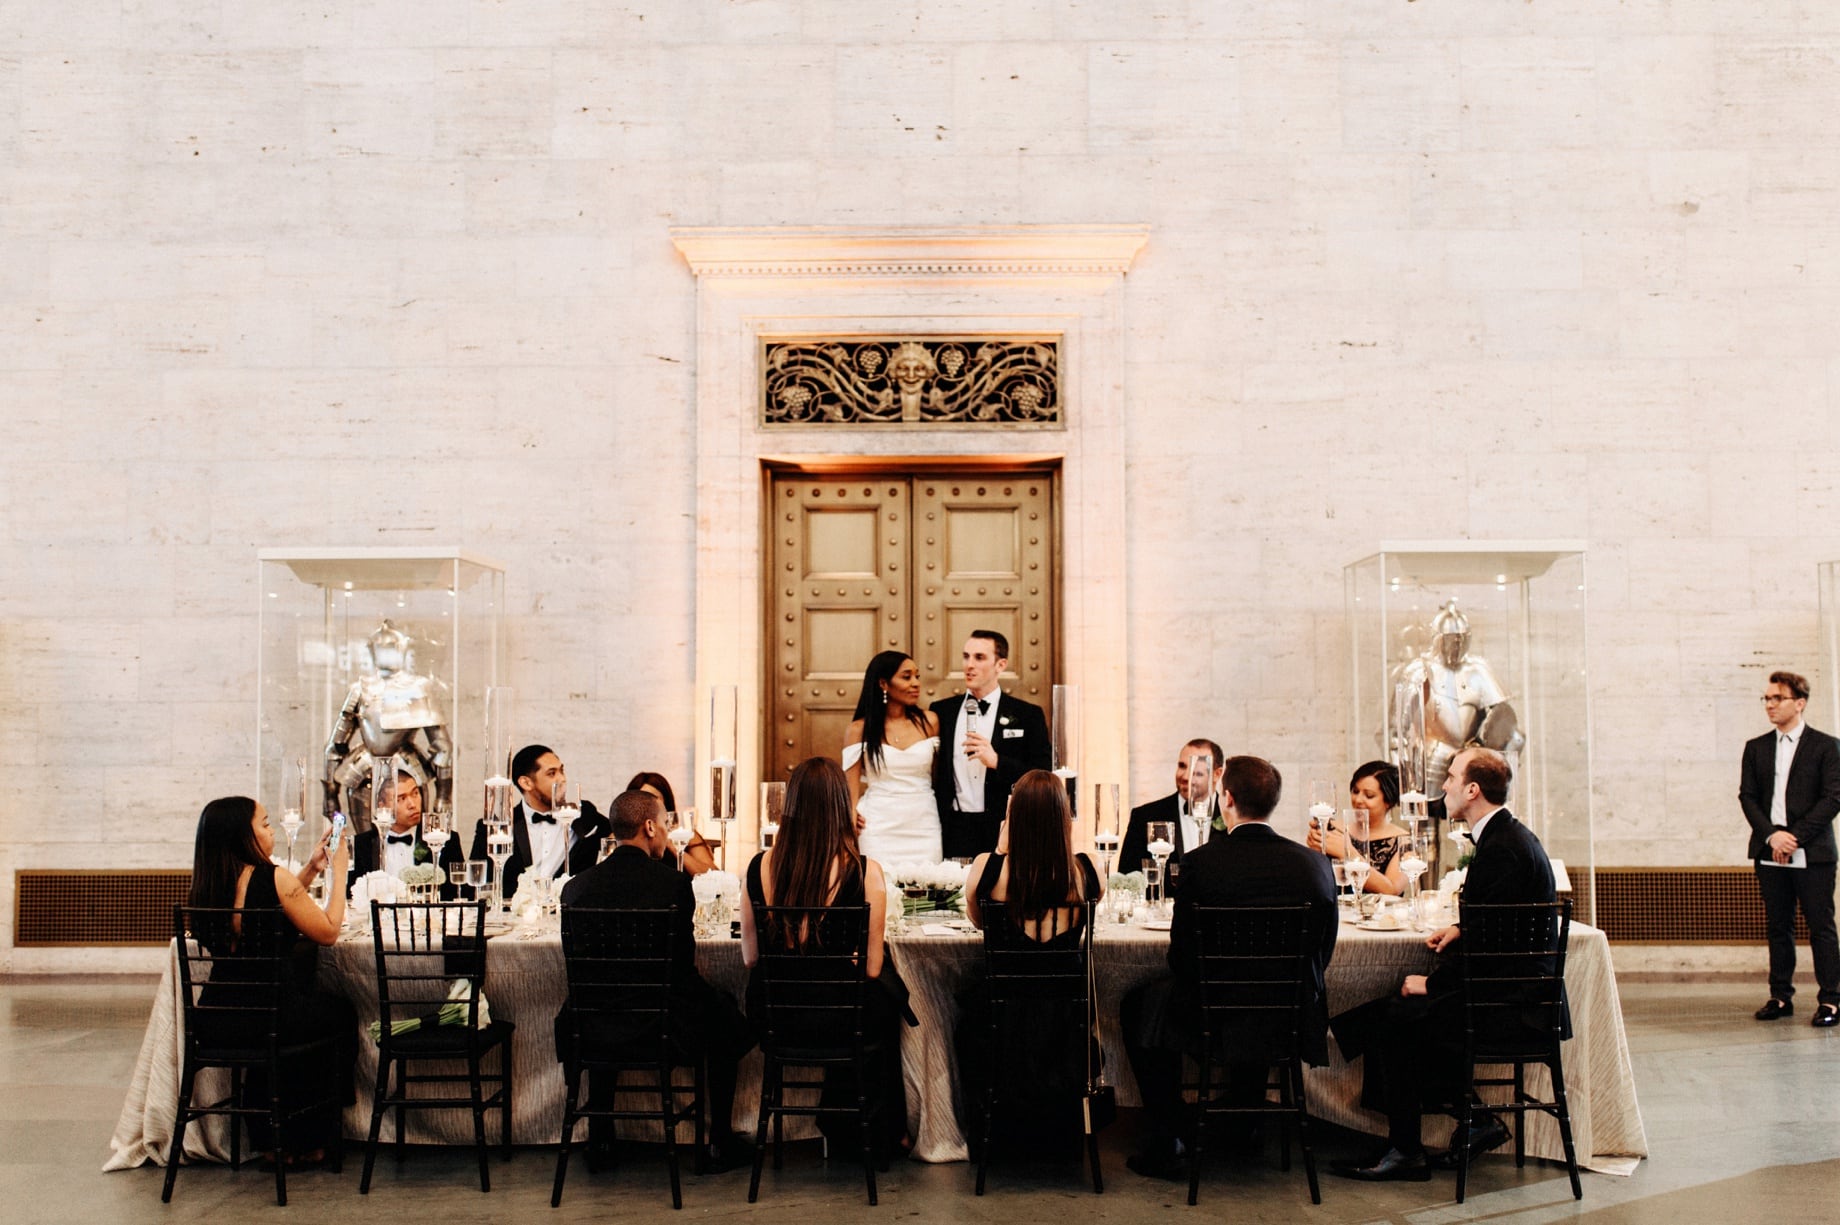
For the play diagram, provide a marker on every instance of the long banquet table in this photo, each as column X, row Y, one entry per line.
column 526, row 984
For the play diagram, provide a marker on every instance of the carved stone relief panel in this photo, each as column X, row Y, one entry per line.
column 1001, row 382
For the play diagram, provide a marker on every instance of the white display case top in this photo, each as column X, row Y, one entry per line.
column 1472, row 561
column 378, row 567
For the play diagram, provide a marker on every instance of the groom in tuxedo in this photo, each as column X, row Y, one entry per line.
column 538, row 840
column 987, row 740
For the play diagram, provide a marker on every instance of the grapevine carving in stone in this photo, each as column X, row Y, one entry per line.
column 930, row 381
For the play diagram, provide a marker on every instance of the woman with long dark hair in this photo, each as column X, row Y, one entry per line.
column 1035, row 877
column 699, row 856
column 232, row 868
column 888, row 759
column 815, row 862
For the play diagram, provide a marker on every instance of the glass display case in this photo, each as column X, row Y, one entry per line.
column 367, row 653
column 1453, row 643
column 1827, row 685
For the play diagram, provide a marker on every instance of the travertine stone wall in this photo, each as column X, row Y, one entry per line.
column 1575, row 262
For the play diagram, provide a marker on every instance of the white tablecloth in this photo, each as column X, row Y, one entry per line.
column 525, row 984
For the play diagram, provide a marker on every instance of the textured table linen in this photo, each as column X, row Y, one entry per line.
column 526, row 985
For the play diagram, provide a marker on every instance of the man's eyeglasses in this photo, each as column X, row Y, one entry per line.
column 1774, row 700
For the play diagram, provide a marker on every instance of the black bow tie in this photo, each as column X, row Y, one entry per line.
column 983, row 705
column 405, row 839
column 542, row 818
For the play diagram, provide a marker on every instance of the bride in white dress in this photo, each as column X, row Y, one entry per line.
column 888, row 758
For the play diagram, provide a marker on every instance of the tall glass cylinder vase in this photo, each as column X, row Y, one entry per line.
column 1105, row 830
column 772, row 807
column 723, row 754
column 498, row 750
column 1064, row 739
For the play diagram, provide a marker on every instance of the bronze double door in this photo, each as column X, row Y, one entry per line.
column 908, row 561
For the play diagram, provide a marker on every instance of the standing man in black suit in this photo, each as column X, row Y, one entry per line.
column 1249, row 864
column 1413, row 1042
column 538, row 840
column 987, row 740
column 1193, row 808
column 705, row 1023
column 1790, row 790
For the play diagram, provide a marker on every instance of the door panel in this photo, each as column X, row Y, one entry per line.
column 984, row 557
column 854, row 578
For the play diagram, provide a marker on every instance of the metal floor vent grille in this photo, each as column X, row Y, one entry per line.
column 1682, row 906
column 55, row 907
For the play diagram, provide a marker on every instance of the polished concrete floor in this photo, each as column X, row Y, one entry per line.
column 1743, row 1122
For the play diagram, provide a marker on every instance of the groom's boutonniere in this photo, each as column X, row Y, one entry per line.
column 1219, row 823
column 422, row 853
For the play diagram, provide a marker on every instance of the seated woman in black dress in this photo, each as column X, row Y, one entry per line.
column 231, row 868
column 815, row 862
column 1037, row 879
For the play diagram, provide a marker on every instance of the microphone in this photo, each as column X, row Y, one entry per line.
column 971, row 712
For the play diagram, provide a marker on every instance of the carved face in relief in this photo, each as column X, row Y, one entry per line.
column 912, row 366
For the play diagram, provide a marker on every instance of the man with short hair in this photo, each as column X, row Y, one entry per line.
column 400, row 845
column 1413, row 1041
column 705, row 1023
column 987, row 740
column 1246, row 864
column 1789, row 788
column 1193, row 809
column 538, row 840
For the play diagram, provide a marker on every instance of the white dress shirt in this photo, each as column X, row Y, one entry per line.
column 1475, row 830
column 1785, row 757
column 397, row 855
column 549, row 843
column 968, row 772
column 1194, row 826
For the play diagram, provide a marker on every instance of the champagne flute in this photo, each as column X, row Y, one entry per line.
column 1413, row 866
column 498, row 849
column 1105, row 833
column 291, row 821
column 437, row 828
column 772, row 807
column 475, row 878
column 1162, row 844
column 680, row 831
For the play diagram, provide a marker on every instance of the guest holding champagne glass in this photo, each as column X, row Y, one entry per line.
column 888, row 760
column 232, row 868
column 1374, row 792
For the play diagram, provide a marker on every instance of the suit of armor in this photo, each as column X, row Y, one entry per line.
column 391, row 713
column 1446, row 700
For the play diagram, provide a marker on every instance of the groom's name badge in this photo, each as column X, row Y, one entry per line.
column 1011, row 731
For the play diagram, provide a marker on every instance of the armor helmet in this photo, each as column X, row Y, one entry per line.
column 392, row 650
column 1450, row 634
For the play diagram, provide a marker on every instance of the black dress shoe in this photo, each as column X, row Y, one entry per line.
column 730, row 1153
column 1825, row 1017
column 1485, row 1136
column 1393, row 1166
column 1776, row 1008
column 1165, row 1165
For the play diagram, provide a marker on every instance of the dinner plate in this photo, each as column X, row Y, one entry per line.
column 1374, row 925
column 1155, row 925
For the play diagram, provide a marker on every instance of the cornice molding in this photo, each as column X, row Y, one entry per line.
column 955, row 251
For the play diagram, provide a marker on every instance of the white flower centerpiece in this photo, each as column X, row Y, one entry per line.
column 718, row 895
column 924, row 887
column 421, row 882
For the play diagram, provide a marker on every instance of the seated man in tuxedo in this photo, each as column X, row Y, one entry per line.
column 705, row 1023
column 1413, row 1042
column 1250, row 864
column 1192, row 809
column 538, row 841
column 400, row 845
column 987, row 740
